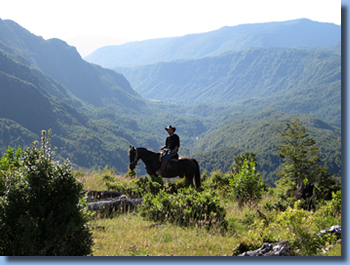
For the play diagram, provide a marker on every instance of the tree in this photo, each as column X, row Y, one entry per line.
column 299, row 153
column 41, row 209
column 301, row 170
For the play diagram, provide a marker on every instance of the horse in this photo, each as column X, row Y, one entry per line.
column 183, row 167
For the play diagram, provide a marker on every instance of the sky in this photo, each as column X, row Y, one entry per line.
column 84, row 23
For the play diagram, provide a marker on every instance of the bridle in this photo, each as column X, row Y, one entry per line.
column 136, row 159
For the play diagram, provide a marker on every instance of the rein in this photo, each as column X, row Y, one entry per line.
column 136, row 158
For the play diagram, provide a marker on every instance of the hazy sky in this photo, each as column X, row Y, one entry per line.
column 147, row 19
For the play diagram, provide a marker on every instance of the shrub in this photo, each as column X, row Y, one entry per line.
column 186, row 208
column 131, row 174
column 330, row 213
column 41, row 211
column 247, row 186
column 298, row 227
column 138, row 187
column 217, row 181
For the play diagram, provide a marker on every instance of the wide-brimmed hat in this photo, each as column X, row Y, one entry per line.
column 170, row 127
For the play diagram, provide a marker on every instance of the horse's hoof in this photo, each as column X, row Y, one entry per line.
column 159, row 172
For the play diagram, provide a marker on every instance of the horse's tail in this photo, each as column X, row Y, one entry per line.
column 197, row 174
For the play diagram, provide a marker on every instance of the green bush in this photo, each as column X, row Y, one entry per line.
column 186, row 208
column 297, row 226
column 330, row 213
column 218, row 181
column 247, row 186
column 131, row 174
column 138, row 187
column 41, row 210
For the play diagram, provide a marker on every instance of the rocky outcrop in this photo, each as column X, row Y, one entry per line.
column 94, row 196
column 110, row 201
column 282, row 249
column 267, row 249
column 333, row 230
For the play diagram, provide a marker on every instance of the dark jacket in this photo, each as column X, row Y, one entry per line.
column 172, row 141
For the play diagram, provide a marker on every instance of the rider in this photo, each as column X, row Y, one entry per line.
column 172, row 143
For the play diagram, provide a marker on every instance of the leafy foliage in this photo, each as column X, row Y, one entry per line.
column 299, row 154
column 299, row 227
column 236, row 166
column 329, row 213
column 247, row 187
column 137, row 187
column 301, row 169
column 41, row 210
column 186, row 208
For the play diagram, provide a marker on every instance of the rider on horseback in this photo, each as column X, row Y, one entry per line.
column 172, row 143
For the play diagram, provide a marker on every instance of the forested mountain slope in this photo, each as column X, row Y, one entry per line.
column 46, row 85
column 90, row 83
column 290, row 79
column 26, row 108
column 258, row 133
column 294, row 33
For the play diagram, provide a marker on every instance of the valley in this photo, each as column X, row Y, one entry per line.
column 227, row 92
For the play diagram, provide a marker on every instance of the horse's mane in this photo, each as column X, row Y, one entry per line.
column 141, row 149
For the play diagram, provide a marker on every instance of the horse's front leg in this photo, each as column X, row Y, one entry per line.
column 152, row 168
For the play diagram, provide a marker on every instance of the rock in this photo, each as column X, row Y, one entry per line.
column 267, row 249
column 282, row 249
column 121, row 203
column 93, row 195
column 333, row 230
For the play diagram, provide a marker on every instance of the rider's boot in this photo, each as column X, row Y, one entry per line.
column 162, row 167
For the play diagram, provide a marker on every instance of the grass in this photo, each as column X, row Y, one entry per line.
column 129, row 234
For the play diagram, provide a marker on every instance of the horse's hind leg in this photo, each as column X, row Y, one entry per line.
column 189, row 178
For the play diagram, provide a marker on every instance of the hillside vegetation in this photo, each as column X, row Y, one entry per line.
column 230, row 214
column 95, row 113
column 293, row 80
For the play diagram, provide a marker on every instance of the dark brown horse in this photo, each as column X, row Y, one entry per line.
column 183, row 167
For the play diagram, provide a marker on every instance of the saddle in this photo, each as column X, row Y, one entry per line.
column 171, row 164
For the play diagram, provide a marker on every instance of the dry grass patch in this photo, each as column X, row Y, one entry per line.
column 130, row 235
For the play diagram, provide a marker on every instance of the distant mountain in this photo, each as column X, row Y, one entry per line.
column 292, row 80
column 294, row 33
column 64, row 64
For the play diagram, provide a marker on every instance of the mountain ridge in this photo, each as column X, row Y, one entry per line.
column 292, row 33
column 63, row 63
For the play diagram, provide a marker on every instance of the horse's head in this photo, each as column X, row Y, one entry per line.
column 133, row 157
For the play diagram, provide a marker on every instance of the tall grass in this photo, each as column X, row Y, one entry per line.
column 129, row 234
